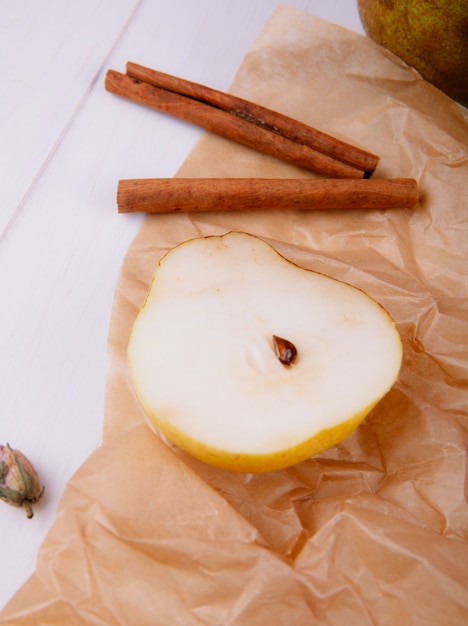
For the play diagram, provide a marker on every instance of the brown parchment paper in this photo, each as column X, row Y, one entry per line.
column 375, row 530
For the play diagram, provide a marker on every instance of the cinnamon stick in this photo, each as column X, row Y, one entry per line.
column 171, row 195
column 228, row 125
column 262, row 116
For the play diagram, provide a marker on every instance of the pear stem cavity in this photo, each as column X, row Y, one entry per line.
column 285, row 350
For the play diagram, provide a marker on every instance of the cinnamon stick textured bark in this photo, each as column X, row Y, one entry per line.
column 169, row 195
column 228, row 125
column 257, row 114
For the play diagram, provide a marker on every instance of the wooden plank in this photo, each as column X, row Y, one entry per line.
column 50, row 53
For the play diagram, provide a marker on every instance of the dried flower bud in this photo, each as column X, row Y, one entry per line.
column 19, row 483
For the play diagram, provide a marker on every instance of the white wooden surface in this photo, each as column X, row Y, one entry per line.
column 64, row 143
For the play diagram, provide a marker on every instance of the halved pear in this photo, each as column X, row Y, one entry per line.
column 252, row 363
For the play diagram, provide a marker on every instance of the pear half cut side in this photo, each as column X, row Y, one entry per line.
column 205, row 352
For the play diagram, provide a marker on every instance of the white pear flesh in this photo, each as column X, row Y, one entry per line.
column 203, row 364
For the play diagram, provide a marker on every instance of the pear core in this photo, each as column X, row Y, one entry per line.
column 203, row 363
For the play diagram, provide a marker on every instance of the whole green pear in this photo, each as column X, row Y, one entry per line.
column 429, row 35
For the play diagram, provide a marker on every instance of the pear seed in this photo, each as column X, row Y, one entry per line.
column 285, row 350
